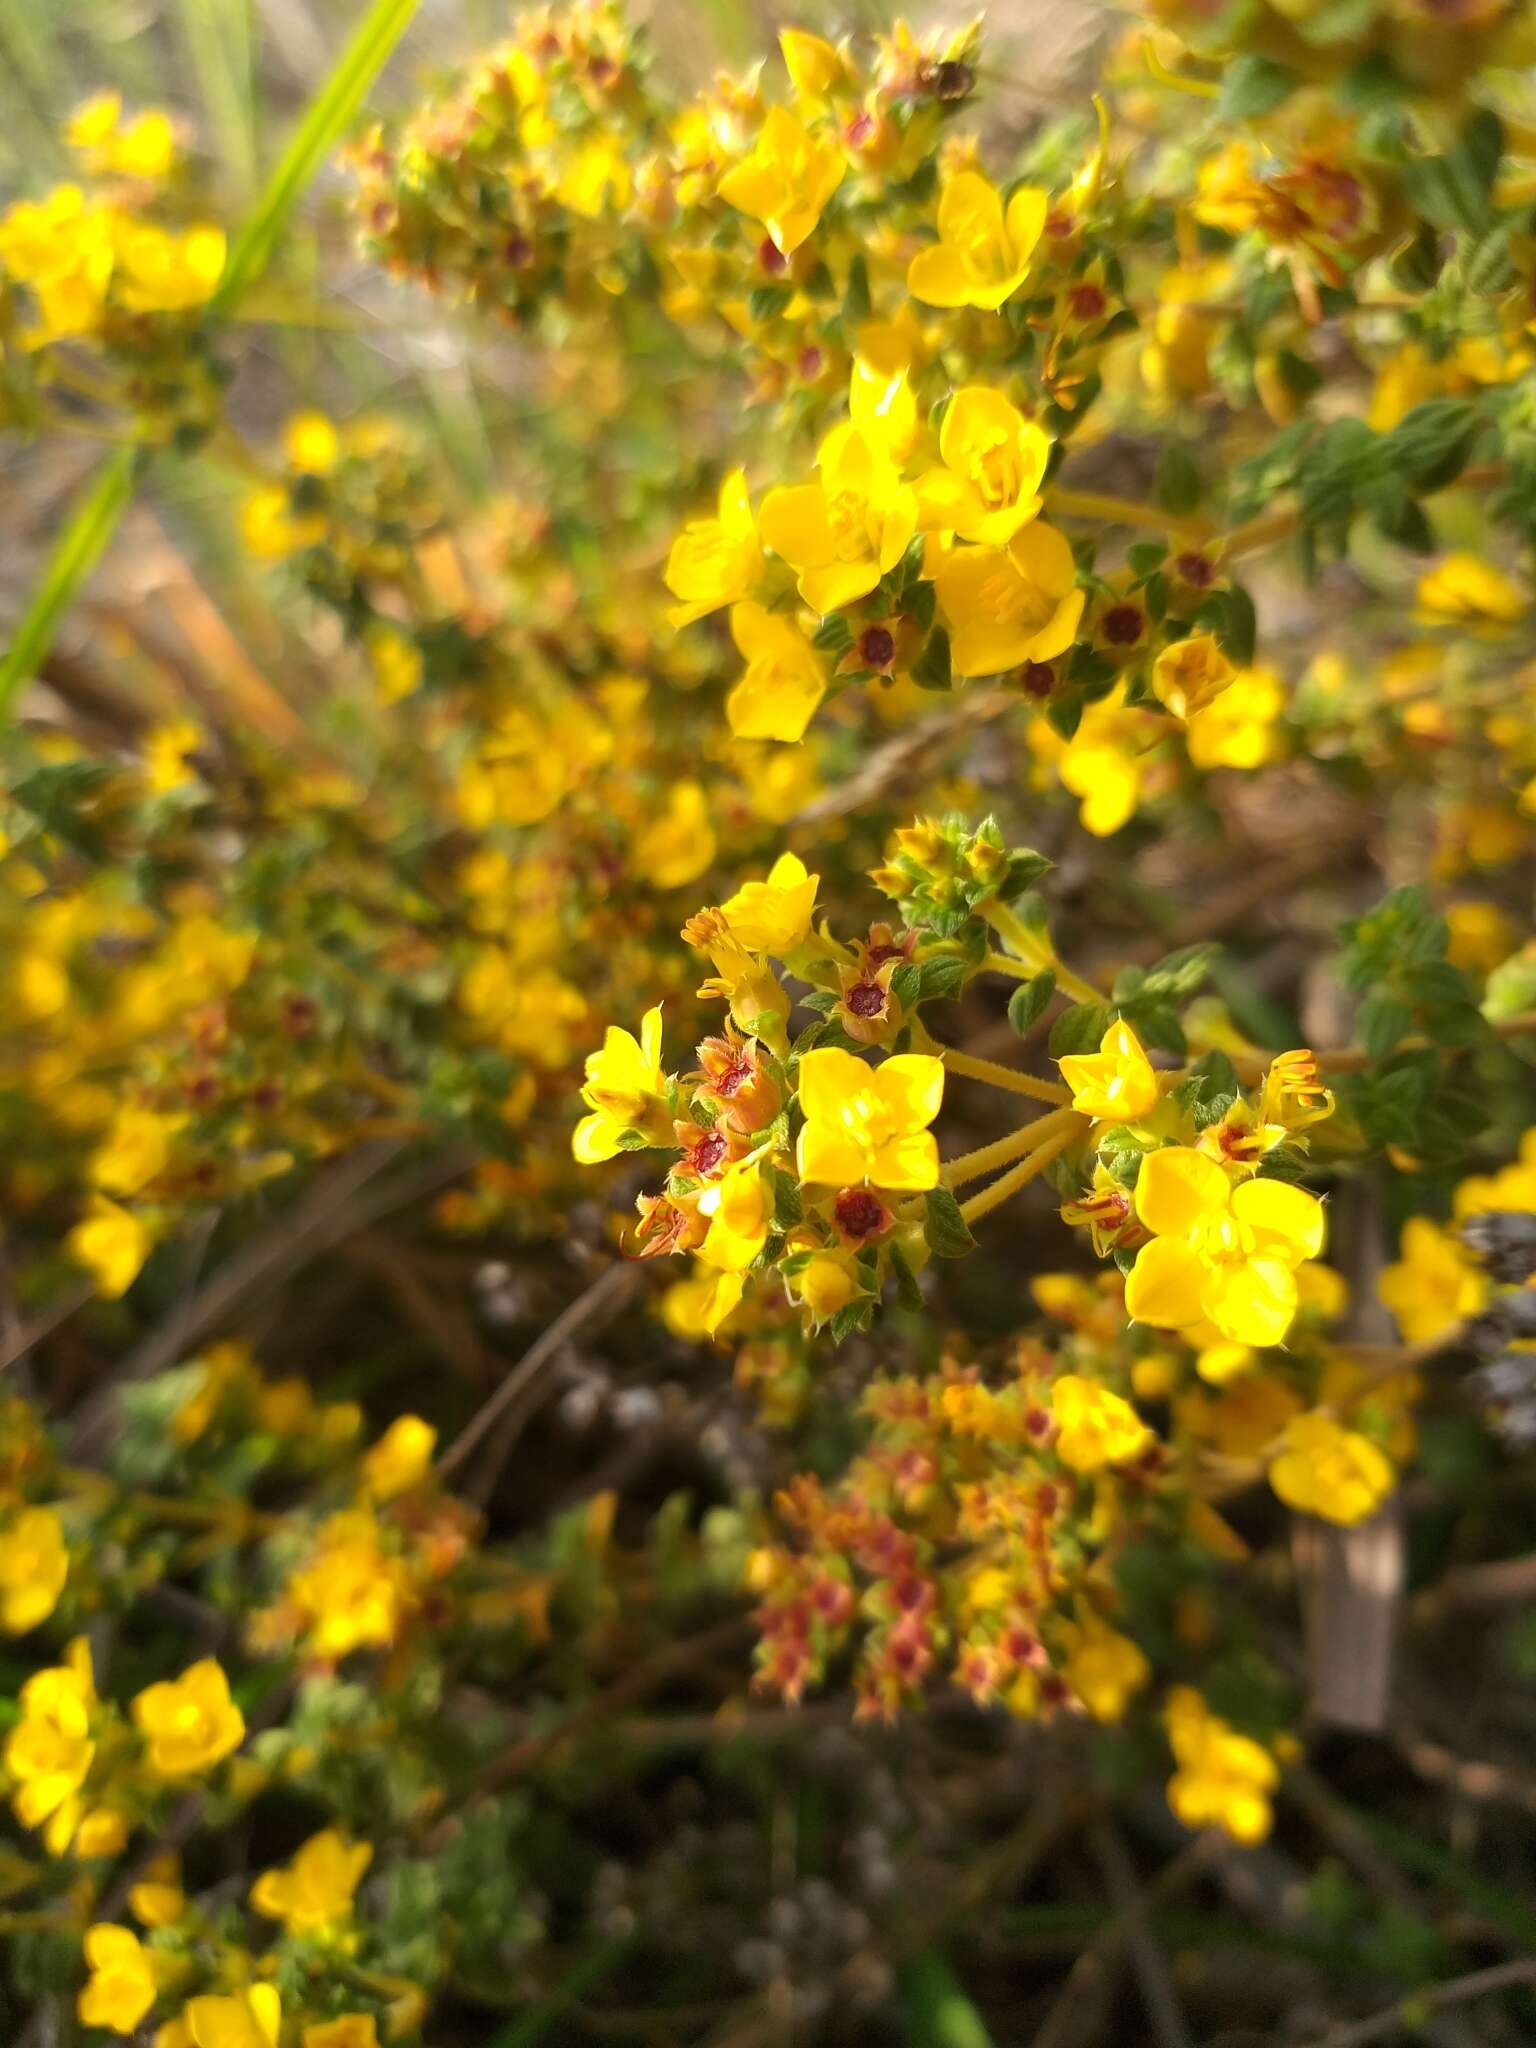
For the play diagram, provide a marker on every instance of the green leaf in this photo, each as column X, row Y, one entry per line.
column 1254, row 85
column 948, row 1233
column 767, row 301
column 1176, row 485
column 932, row 670
column 908, row 1294
column 941, row 978
column 1027, row 1003
column 788, row 1207
column 907, row 984
column 834, row 635
column 328, row 116
column 936, row 2011
column 91, row 522
column 1080, row 1028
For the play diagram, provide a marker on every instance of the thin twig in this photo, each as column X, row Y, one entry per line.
column 1147, row 1959
column 1404, row 2016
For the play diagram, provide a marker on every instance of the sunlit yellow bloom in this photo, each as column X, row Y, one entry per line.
column 315, row 1890
column 715, row 562
column 1464, row 590
column 1115, row 1082
column 1328, row 1470
column 121, row 1987
column 1191, row 674
column 64, row 249
column 156, row 1905
column 814, row 65
column 396, row 661
column 1095, row 1427
column 271, row 528
column 352, row 2030
column 49, row 1752
column 112, row 1245
column 867, row 1123
column 311, row 444
column 842, row 533
column 168, row 750
column 825, row 1284
column 1223, row 1779
column 253, row 2018
column 1005, row 606
column 786, row 181
column 1221, row 1253
column 1480, row 935
column 161, row 272
column 785, row 678
column 190, row 1722
column 994, row 464
column 625, row 1090
column 400, row 1459
column 135, row 1151
column 984, row 251
column 352, row 1592
column 34, row 1564
column 774, row 916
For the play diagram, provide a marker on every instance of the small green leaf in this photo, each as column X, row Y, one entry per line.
column 1080, row 1028
column 932, row 669
column 1027, row 1003
column 946, row 1230
column 1254, row 85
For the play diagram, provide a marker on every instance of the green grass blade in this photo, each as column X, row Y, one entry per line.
column 329, row 114
column 937, row 2012
column 90, row 525
column 218, row 38
column 588, row 1971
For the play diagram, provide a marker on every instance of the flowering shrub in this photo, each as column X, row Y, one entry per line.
column 989, row 729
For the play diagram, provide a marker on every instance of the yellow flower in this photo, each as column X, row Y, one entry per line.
column 1009, row 605
column 740, row 1208
column 400, row 1459
column 316, row 1888
column 190, row 1722
column 396, row 662
column 1221, row 1253
column 251, row 2019
column 841, row 534
column 157, row 1905
column 983, row 252
column 825, row 1284
column 786, row 181
column 1116, row 1081
column 112, row 1244
column 1223, row 1779
column 1104, row 1668
column 1094, row 1427
column 717, row 561
column 785, row 679
column 352, row 1592
column 135, row 1150
column 865, row 1123
column 625, row 1090
column 270, row 527
column 1434, row 1285
column 311, row 444
column 1238, row 729
column 994, row 464
column 34, row 1563
column 1481, row 936
column 813, row 64
column 63, row 248
column 1328, row 1470
column 352, row 2030
column 1467, row 591
column 160, row 272
column 1191, row 674
column 680, row 844
column 774, row 916
column 121, row 1988
column 48, row 1754
column 168, row 750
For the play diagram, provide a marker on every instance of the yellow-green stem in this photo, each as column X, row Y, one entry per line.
column 1016, row 1177
column 974, row 1068
column 1070, row 504
column 1035, row 953
column 971, row 1165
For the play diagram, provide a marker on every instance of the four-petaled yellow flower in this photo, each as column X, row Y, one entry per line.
column 49, row 1753
column 1191, row 674
column 34, row 1563
column 787, row 180
column 715, row 562
column 1221, row 1254
column 1328, row 1470
column 315, row 1890
column 112, row 1245
column 1434, row 1284
column 121, row 1987
column 1104, row 1668
column 400, row 1459
column 625, row 1090
column 870, row 1124
column 841, row 534
column 740, row 1208
column 191, row 1722
column 1115, row 1082
column 984, row 250
column 1095, row 1427
column 994, row 464
column 1467, row 591
column 785, row 678
column 1005, row 606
